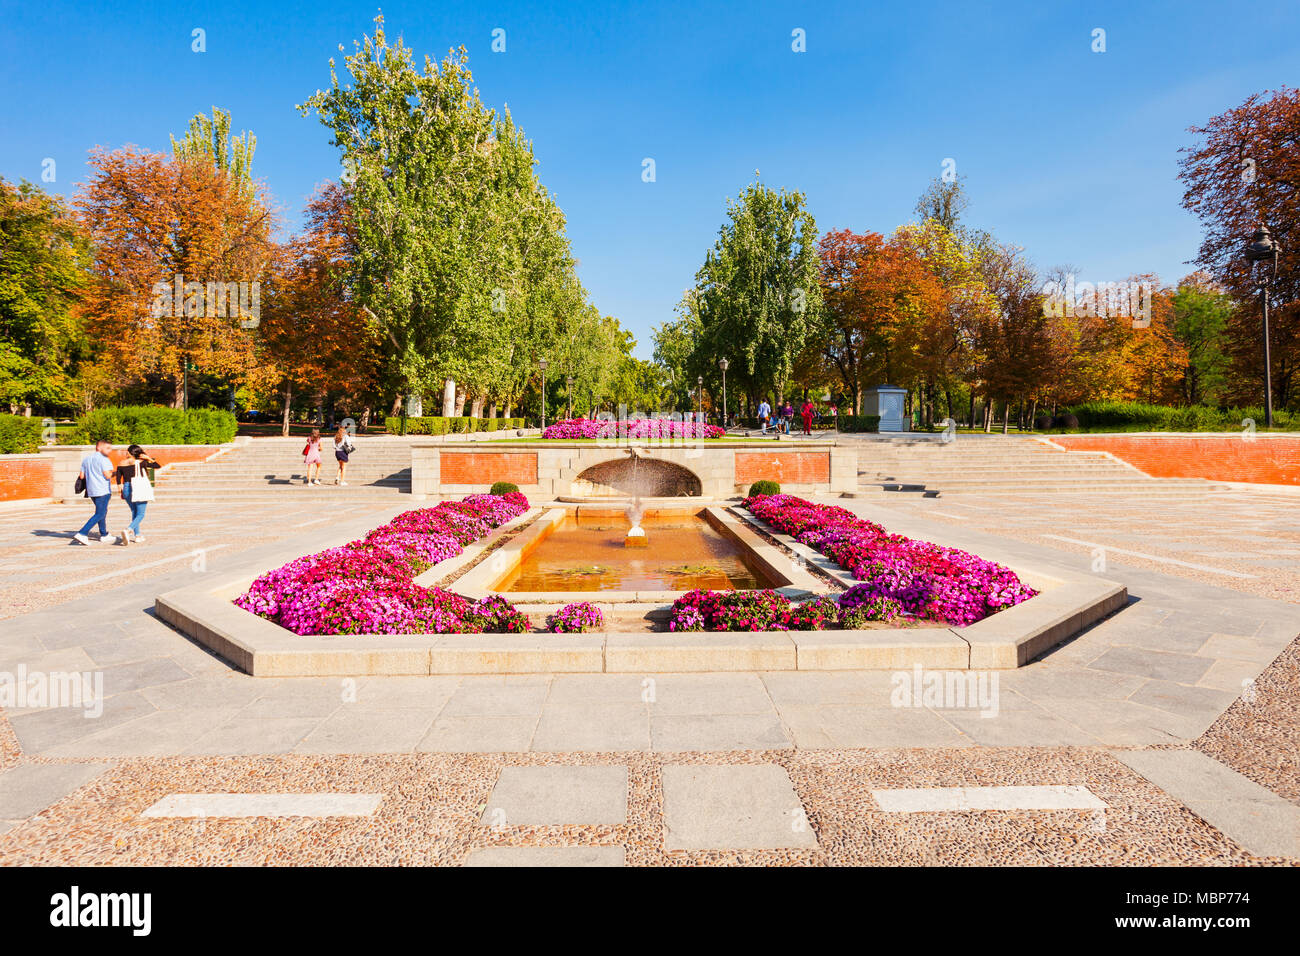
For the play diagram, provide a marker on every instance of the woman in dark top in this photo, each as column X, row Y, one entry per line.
column 137, row 491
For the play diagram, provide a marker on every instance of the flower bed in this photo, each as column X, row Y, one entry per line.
column 925, row 579
column 649, row 428
column 769, row 610
column 368, row 586
column 576, row 618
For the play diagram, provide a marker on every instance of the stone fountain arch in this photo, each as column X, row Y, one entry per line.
column 638, row 478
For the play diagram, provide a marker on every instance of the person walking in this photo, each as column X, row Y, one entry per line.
column 95, row 476
column 343, row 447
column 311, row 458
column 137, row 490
column 787, row 417
column 807, row 416
column 764, row 411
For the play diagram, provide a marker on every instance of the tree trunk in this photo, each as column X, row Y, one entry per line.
column 365, row 419
column 288, row 403
column 397, row 406
column 1006, row 416
column 460, row 403
column 476, row 407
column 988, row 415
column 972, row 408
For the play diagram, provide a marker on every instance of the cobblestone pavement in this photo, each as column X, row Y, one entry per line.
column 1102, row 752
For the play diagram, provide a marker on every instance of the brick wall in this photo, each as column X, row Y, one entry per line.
column 794, row 468
column 1264, row 459
column 472, row 468
column 26, row 476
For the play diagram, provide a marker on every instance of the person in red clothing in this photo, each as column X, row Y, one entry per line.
column 807, row 417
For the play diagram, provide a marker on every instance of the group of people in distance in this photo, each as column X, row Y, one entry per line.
column 783, row 418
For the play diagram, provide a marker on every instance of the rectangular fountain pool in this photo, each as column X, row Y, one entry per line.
column 585, row 552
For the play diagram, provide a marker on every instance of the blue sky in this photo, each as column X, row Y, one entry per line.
column 1069, row 153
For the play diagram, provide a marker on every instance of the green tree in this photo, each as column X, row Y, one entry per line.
column 211, row 138
column 757, row 298
column 461, row 254
column 1201, row 315
column 44, row 256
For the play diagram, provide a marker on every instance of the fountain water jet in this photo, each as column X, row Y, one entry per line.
column 636, row 511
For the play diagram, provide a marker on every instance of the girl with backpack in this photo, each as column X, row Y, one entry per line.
column 342, row 448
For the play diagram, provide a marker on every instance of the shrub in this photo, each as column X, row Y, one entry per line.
column 764, row 487
column 857, row 616
column 19, row 435
column 814, row 614
column 1042, row 422
column 157, row 425
column 503, row 488
column 442, row 425
column 1065, row 421
column 495, row 615
column 859, row 423
column 1141, row 417
column 702, row 610
column 576, row 618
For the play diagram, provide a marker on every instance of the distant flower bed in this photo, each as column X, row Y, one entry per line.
column 922, row 579
column 651, row 428
column 368, row 586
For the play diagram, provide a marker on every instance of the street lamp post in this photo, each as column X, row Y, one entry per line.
column 568, row 381
column 1263, row 248
column 722, row 364
column 541, row 363
column 699, row 395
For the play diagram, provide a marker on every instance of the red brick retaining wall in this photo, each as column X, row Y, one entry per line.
column 26, row 476
column 469, row 468
column 795, row 468
column 1264, row 459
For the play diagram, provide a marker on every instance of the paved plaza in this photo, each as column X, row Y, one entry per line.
column 1167, row 733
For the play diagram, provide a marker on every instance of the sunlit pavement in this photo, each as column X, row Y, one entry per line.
column 1166, row 734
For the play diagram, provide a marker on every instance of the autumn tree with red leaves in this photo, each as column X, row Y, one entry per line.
column 181, row 225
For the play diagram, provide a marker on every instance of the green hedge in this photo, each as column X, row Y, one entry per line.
column 19, row 435
column 1140, row 417
column 442, row 425
column 155, row 425
column 859, row 423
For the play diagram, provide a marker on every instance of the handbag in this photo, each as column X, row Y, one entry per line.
column 141, row 490
column 79, row 486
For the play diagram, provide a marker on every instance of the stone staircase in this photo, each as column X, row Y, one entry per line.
column 272, row 467
column 998, row 464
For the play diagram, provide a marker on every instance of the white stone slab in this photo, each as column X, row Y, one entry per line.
column 266, row 805
column 956, row 799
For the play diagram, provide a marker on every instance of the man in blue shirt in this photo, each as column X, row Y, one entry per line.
column 97, row 470
column 764, row 410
